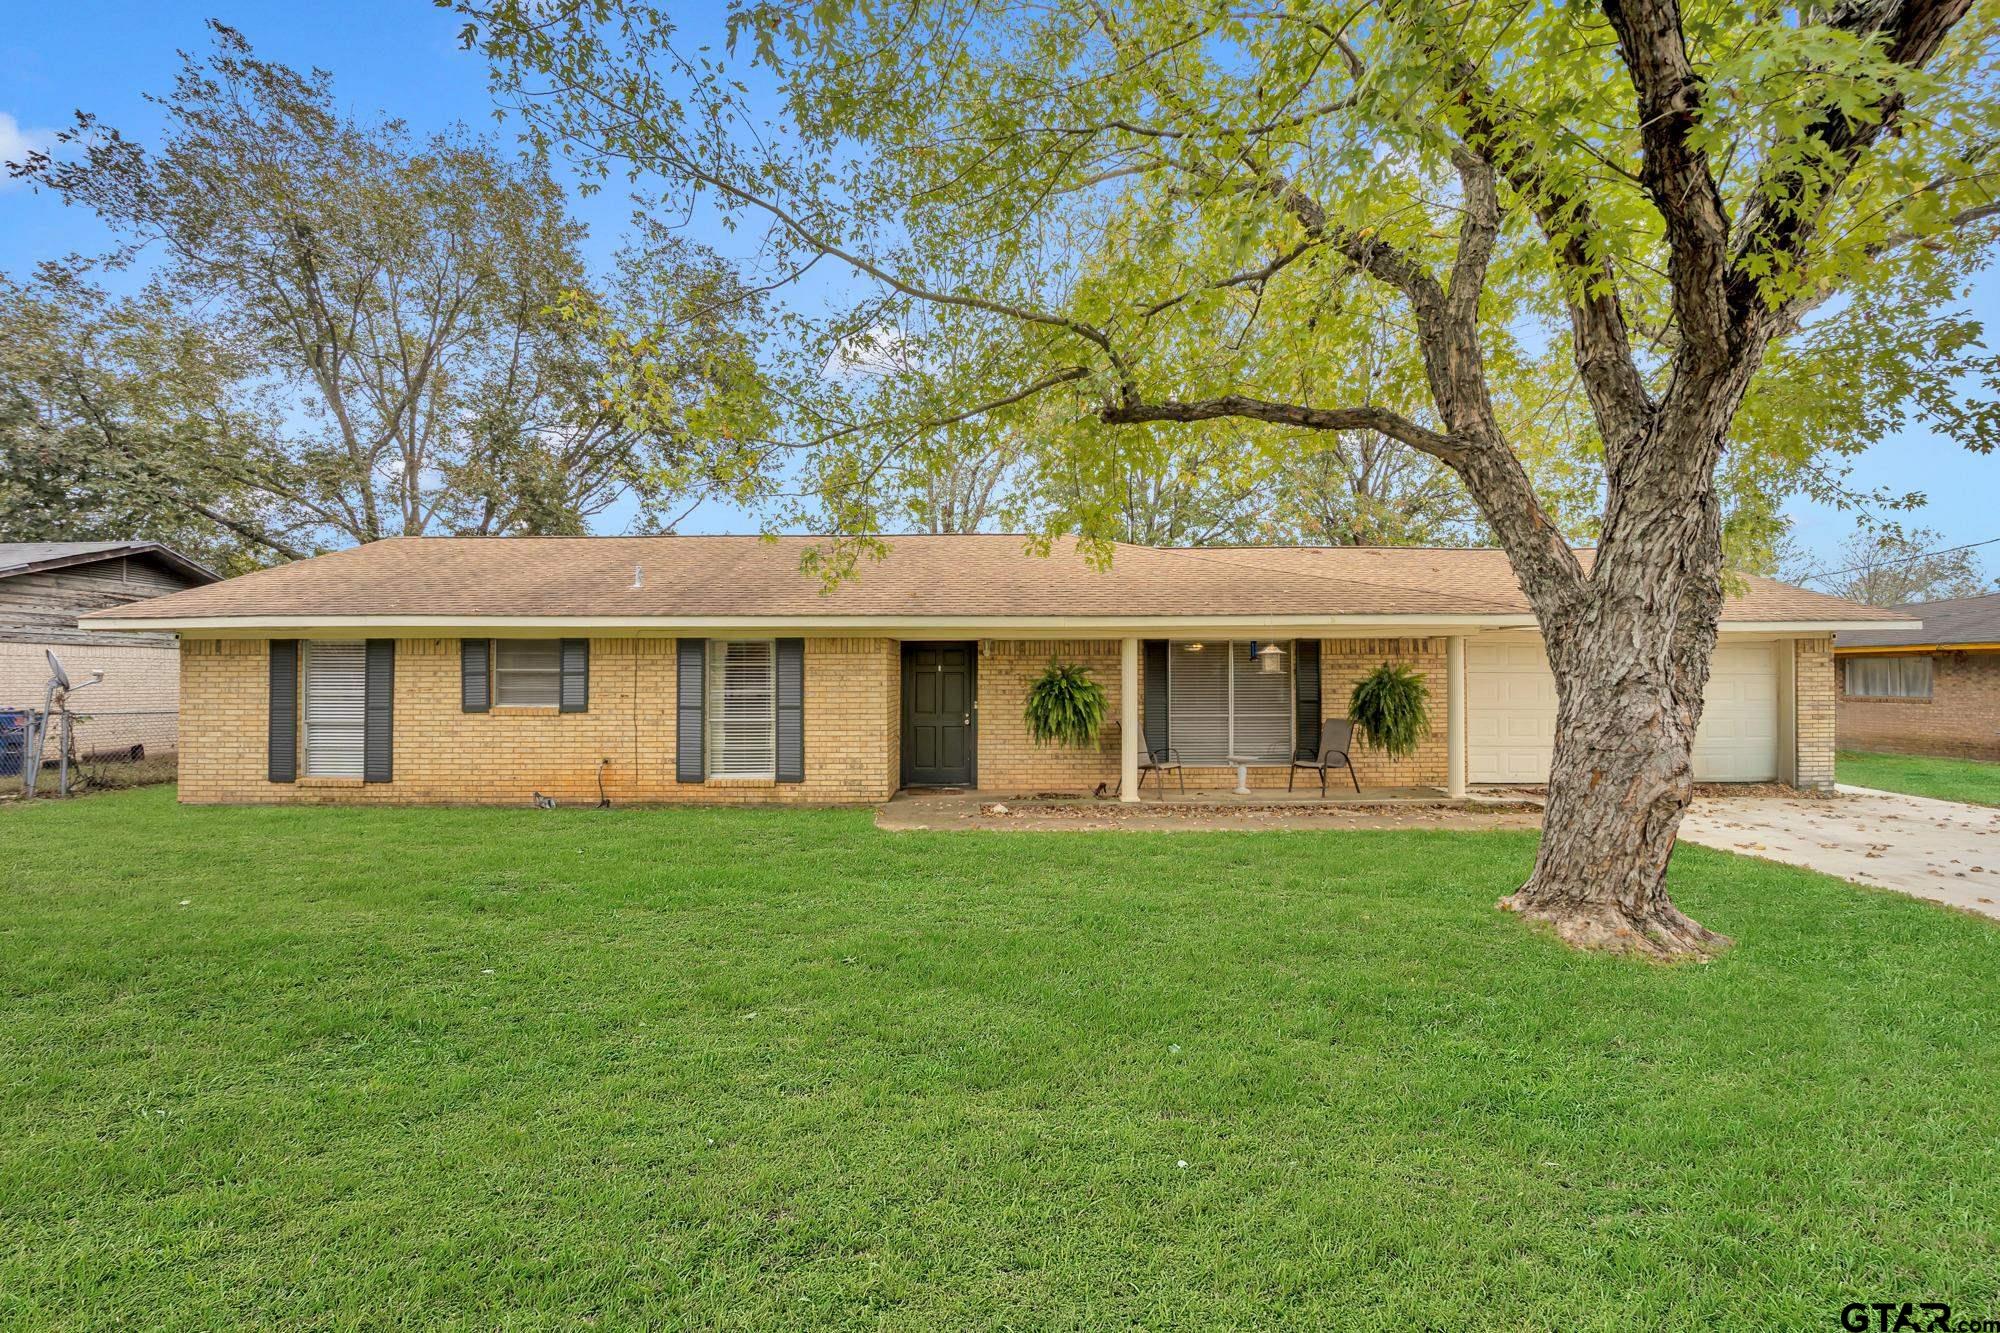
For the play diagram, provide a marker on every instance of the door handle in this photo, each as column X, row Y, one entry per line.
column 966, row 720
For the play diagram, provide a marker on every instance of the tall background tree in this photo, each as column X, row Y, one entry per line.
column 120, row 421
column 1154, row 209
column 406, row 324
column 1891, row 567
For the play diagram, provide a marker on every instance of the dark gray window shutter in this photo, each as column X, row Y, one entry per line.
column 284, row 727
column 475, row 676
column 791, row 710
column 1155, row 694
column 575, row 696
column 1305, row 683
column 693, row 671
column 378, row 713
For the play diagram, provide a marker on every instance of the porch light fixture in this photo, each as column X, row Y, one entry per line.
column 1270, row 658
column 1194, row 647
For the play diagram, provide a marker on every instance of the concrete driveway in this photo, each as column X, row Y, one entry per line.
column 1941, row 850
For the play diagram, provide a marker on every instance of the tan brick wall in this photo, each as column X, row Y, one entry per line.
column 225, row 701
column 853, row 712
column 1813, row 685
column 1342, row 664
column 1008, row 760
column 446, row 756
column 1961, row 719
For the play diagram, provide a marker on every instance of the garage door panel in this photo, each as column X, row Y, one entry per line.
column 1511, row 715
column 1738, row 739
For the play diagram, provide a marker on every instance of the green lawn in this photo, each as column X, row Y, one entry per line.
column 1922, row 775
column 319, row 1068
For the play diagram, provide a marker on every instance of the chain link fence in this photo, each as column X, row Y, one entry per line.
column 104, row 749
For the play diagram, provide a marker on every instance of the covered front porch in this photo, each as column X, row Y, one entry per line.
column 1232, row 706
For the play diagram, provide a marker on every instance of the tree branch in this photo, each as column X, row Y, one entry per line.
column 1380, row 419
column 1777, row 228
column 1598, row 328
column 1676, row 173
column 1477, row 232
column 824, row 244
column 1548, row 568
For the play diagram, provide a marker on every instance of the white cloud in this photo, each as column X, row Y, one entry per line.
column 16, row 143
column 880, row 350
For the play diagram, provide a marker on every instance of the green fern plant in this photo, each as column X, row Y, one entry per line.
column 1065, row 707
column 1390, row 706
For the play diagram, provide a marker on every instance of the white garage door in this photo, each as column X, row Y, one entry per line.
column 1510, row 714
column 1738, row 737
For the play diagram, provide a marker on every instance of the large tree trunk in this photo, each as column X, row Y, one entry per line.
column 1621, row 781
column 1631, row 664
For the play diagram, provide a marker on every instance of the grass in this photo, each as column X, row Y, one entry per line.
column 1922, row 775
column 318, row 1068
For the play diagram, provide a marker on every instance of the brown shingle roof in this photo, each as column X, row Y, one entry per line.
column 1947, row 621
column 971, row 577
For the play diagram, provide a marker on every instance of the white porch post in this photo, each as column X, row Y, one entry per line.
column 1454, row 715
column 1130, row 723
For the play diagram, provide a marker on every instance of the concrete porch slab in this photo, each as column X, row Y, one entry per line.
column 1206, row 811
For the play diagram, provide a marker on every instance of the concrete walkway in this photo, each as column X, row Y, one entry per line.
column 1940, row 850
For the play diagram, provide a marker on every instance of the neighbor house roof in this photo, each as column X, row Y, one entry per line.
column 1955, row 622
column 601, row 582
column 35, row 557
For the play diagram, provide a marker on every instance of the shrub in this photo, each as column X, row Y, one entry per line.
column 1065, row 707
column 1389, row 707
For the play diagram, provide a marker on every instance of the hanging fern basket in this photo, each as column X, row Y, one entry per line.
column 1065, row 707
column 1390, row 707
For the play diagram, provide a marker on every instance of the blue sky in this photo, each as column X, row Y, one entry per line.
column 401, row 58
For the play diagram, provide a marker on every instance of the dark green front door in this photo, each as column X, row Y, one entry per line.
column 939, row 737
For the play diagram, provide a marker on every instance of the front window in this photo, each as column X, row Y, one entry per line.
column 335, row 695
column 742, row 700
column 1221, row 702
column 527, row 673
column 1889, row 677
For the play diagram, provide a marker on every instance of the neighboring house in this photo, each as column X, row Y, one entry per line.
column 45, row 586
column 713, row 669
column 1932, row 690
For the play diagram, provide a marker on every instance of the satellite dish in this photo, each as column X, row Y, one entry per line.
column 56, row 667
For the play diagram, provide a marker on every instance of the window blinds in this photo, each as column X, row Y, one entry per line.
column 1221, row 703
column 336, row 697
column 527, row 673
column 742, row 709
column 1261, row 708
column 1198, row 701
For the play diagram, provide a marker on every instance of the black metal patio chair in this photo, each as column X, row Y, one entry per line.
column 1160, row 762
column 1335, row 738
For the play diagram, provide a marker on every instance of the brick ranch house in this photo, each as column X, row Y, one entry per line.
column 1928, row 690
column 712, row 669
